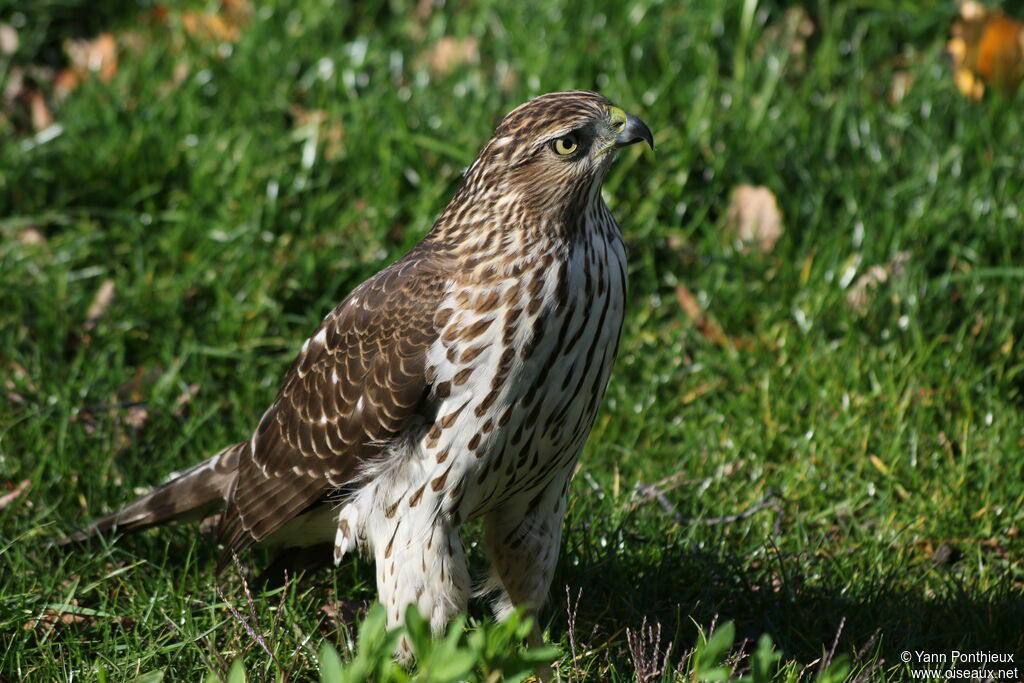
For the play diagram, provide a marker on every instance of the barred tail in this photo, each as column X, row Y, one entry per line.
column 189, row 496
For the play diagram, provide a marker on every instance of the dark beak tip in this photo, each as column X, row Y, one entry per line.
column 636, row 131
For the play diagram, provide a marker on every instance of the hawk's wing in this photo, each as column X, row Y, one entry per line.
column 357, row 382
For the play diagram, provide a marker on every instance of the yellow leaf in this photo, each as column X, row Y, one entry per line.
column 879, row 465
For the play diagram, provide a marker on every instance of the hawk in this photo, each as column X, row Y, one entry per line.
column 458, row 383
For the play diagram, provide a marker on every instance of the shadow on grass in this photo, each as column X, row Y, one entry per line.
column 684, row 587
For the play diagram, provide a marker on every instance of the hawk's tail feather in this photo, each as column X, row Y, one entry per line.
column 189, row 496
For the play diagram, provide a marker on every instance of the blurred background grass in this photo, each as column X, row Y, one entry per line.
column 241, row 167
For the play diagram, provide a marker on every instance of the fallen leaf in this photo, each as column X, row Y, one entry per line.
column 448, row 53
column 99, row 306
column 8, row 39
column 186, row 397
column 858, row 298
column 31, row 236
column 64, row 83
column 39, row 112
column 987, row 49
column 899, row 86
column 754, row 217
column 12, row 495
column 136, row 417
column 329, row 129
column 97, row 309
column 97, row 56
column 17, row 372
column 50, row 617
column 13, row 87
column 210, row 26
column 707, row 325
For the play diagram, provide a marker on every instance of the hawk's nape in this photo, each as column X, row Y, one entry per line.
column 459, row 383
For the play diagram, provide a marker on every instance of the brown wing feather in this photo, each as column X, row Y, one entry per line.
column 354, row 387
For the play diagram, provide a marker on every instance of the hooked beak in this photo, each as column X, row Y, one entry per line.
column 634, row 131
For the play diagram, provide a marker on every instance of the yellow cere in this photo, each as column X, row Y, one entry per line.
column 617, row 116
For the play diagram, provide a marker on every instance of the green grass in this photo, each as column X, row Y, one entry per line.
column 884, row 434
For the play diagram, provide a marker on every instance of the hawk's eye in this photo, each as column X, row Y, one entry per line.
column 565, row 145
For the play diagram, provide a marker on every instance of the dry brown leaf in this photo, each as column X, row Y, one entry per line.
column 754, row 217
column 65, row 617
column 186, row 397
column 39, row 112
column 449, row 53
column 329, row 129
column 63, row 83
column 97, row 56
column 14, row 86
column 210, row 26
column 13, row 495
column 859, row 296
column 987, row 49
column 136, row 416
column 899, row 86
column 100, row 304
column 707, row 325
column 51, row 617
column 8, row 39
column 17, row 371
column 31, row 236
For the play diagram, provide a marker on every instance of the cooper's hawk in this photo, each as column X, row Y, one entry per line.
column 459, row 382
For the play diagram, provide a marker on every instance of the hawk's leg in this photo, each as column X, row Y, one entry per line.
column 521, row 540
column 423, row 565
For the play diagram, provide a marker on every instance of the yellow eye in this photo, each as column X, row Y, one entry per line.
column 565, row 145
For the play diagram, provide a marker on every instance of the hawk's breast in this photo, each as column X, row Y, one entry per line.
column 520, row 369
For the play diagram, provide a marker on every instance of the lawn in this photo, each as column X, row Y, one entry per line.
column 781, row 446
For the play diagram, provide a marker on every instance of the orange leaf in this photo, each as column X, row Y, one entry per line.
column 987, row 49
column 97, row 56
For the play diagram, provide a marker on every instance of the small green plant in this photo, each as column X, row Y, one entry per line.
column 492, row 651
column 710, row 661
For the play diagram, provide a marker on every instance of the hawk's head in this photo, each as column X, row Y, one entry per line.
column 551, row 153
